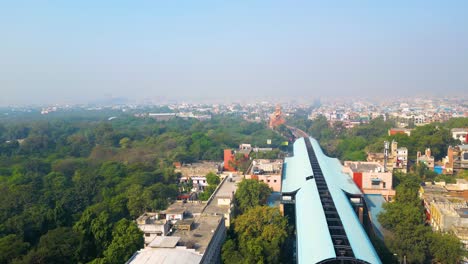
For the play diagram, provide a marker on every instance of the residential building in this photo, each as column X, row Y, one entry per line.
column 397, row 159
column 460, row 134
column 371, row 178
column 267, row 171
column 427, row 159
column 197, row 230
column 230, row 156
column 457, row 159
column 153, row 225
column 446, row 207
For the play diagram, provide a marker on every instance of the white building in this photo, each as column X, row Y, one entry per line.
column 460, row 134
column 152, row 226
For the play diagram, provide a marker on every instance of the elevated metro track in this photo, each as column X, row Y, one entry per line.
column 320, row 196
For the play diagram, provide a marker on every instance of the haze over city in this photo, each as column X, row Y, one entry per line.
column 84, row 51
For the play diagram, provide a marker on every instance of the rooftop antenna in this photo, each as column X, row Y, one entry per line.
column 385, row 155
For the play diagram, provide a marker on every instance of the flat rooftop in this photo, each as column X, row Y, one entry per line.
column 362, row 166
column 226, row 190
column 165, row 256
column 198, row 169
column 200, row 236
column 190, row 208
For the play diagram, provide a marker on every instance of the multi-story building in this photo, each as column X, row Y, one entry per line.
column 267, row 171
column 457, row 159
column 371, row 178
column 230, row 156
column 397, row 158
column 460, row 134
column 153, row 225
column 427, row 159
column 197, row 230
column 446, row 207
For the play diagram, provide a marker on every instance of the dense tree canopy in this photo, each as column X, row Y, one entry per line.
column 251, row 193
column 87, row 177
column 260, row 231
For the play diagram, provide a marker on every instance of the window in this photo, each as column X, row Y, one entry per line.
column 375, row 182
column 274, row 180
column 384, row 185
column 147, row 234
column 268, row 181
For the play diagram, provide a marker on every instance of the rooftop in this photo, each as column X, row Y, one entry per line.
column 364, row 166
column 200, row 236
column 459, row 130
column 190, row 208
column 164, row 242
column 198, row 169
column 226, row 189
column 165, row 256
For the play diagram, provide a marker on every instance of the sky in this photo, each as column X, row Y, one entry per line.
column 87, row 50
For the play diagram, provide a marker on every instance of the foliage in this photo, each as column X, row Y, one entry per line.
column 212, row 179
column 57, row 246
column 240, row 163
column 261, row 232
column 410, row 237
column 127, row 239
column 447, row 248
column 274, row 154
column 11, row 247
column 251, row 193
column 81, row 174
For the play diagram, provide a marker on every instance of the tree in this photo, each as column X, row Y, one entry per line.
column 411, row 241
column 126, row 240
column 56, row 247
column 125, row 143
column 206, row 194
column 212, row 179
column 447, row 248
column 251, row 193
column 137, row 203
column 261, row 231
column 11, row 246
column 230, row 253
column 398, row 214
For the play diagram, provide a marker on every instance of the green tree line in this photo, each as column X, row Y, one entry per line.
column 70, row 186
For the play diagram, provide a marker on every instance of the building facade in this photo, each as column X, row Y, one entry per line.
column 371, row 178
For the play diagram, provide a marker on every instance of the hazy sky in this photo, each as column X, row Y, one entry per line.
column 79, row 51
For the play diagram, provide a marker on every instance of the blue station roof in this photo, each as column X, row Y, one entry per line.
column 314, row 243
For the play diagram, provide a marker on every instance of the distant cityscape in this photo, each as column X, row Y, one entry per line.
column 408, row 111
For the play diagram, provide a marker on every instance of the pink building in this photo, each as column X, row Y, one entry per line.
column 267, row 171
column 371, row 178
